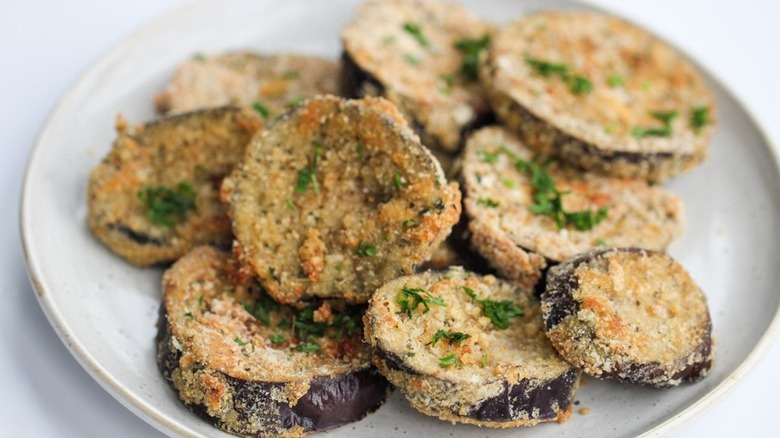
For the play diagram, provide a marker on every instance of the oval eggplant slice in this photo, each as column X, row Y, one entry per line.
column 253, row 367
column 156, row 195
column 602, row 94
column 336, row 198
column 469, row 349
column 631, row 314
column 422, row 56
column 270, row 84
column 526, row 212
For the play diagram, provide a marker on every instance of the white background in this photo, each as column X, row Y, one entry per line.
column 46, row 45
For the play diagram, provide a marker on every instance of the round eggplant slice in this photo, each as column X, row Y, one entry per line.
column 600, row 93
column 469, row 349
column 269, row 84
column 526, row 212
column 422, row 56
column 253, row 367
column 336, row 198
column 156, row 195
column 629, row 314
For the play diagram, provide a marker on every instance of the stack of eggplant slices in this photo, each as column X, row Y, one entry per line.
column 468, row 213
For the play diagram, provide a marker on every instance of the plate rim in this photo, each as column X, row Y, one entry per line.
column 163, row 422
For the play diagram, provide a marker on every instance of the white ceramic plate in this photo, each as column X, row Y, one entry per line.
column 105, row 310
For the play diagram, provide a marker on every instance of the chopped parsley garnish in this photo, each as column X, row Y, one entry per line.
column 361, row 151
column 548, row 200
column 409, row 223
column 700, row 117
column 411, row 59
column 166, row 206
column 261, row 109
column 615, row 81
column 484, row 360
column 364, row 250
column 601, row 242
column 509, row 183
column 291, row 74
column 453, row 337
column 240, row 342
column 410, row 298
column 415, row 31
column 448, row 361
column 308, row 176
column 398, row 182
column 345, row 322
column 261, row 309
column 200, row 300
column 308, row 347
column 665, row 117
column 471, row 48
column 290, row 204
column 295, row 103
column 449, row 80
column 276, row 338
column 488, row 157
column 578, row 84
column 188, row 315
column 274, row 275
column 500, row 312
column 488, row 202
column 199, row 57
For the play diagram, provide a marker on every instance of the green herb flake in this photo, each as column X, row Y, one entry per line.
column 488, row 157
column 240, row 342
column 274, row 275
column 364, row 250
column 615, row 81
column 188, row 315
column 290, row 204
column 665, row 117
column 388, row 40
column 261, row 109
column 291, row 74
column 452, row 337
column 199, row 57
column 449, row 80
column 700, row 117
column 601, row 242
column 308, row 177
column 448, row 361
column 398, row 182
column 308, row 347
column 165, row 206
column 509, row 183
column 471, row 49
column 219, row 422
column 296, row 102
column 262, row 308
column 410, row 298
column 200, row 300
column 610, row 128
column 578, row 84
column 361, row 151
column 548, row 200
column 276, row 339
column 409, row 223
column 488, row 202
column 499, row 312
column 415, row 31
column 484, row 361
column 411, row 59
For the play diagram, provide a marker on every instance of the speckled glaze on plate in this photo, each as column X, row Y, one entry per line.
column 105, row 310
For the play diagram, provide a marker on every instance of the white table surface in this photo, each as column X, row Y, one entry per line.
column 46, row 45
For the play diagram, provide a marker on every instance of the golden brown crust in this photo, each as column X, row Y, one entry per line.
column 632, row 75
column 197, row 149
column 631, row 314
column 336, row 198
column 491, row 371
column 276, row 82
column 422, row 78
column 518, row 242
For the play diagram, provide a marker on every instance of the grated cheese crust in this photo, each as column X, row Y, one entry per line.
column 632, row 74
column 631, row 314
column 519, row 243
column 276, row 82
column 198, row 149
column 489, row 364
column 373, row 205
column 421, row 78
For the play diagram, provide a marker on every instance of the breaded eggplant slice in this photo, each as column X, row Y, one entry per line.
column 336, row 198
column 156, row 195
column 407, row 51
column 509, row 230
column 629, row 314
column 271, row 84
column 601, row 93
column 469, row 349
column 254, row 368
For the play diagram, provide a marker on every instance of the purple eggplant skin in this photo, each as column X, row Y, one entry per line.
column 331, row 401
